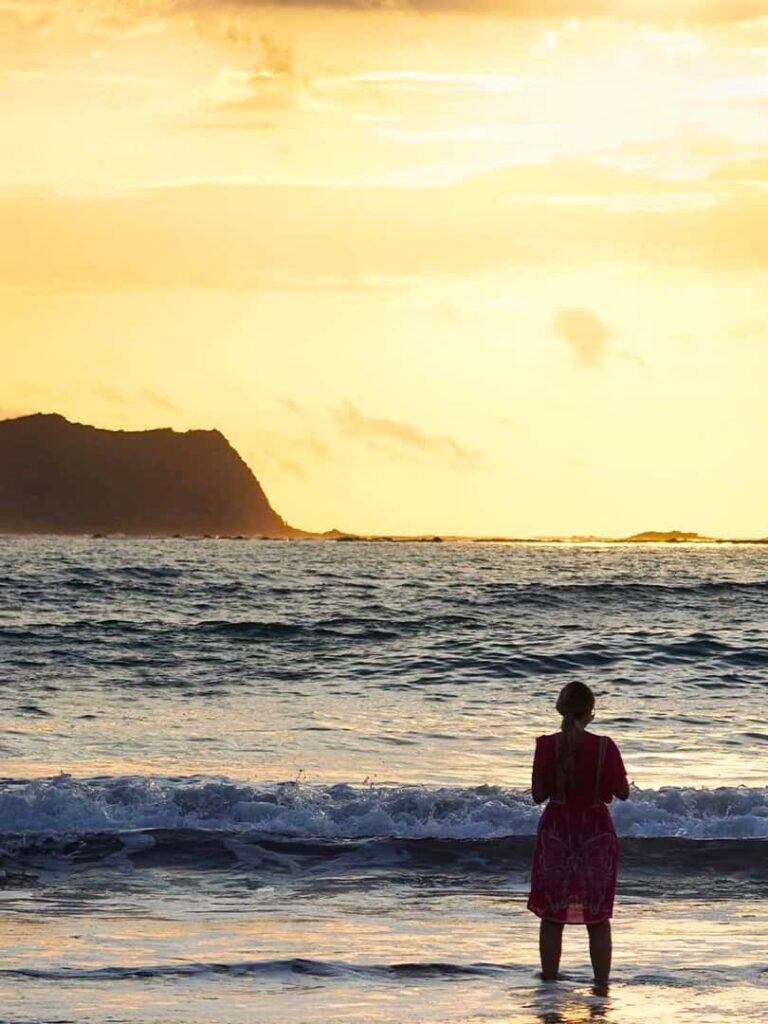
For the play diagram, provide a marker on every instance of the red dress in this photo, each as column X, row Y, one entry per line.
column 573, row 877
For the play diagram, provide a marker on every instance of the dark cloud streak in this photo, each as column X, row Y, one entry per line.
column 668, row 11
column 378, row 428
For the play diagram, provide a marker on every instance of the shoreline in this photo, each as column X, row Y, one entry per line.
column 354, row 538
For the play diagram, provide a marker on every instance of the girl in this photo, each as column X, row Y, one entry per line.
column 573, row 878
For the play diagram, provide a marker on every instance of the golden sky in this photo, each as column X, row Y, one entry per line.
column 438, row 266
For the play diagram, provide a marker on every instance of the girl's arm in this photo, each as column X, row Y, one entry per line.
column 539, row 787
column 622, row 789
column 618, row 773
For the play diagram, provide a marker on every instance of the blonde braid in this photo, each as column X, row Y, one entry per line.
column 574, row 703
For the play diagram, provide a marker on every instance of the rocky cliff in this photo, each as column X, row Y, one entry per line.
column 62, row 477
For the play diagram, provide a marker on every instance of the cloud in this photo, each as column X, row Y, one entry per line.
column 585, row 332
column 447, row 83
column 288, row 466
column 380, row 429
column 111, row 395
column 291, row 454
column 231, row 20
column 753, row 170
column 255, row 237
column 307, row 447
column 273, row 86
column 277, row 55
column 573, row 177
column 114, row 396
column 675, row 11
column 293, row 468
column 159, row 401
column 277, row 85
column 95, row 18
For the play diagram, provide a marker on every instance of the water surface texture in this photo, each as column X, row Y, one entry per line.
column 289, row 778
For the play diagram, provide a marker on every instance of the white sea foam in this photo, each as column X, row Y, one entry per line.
column 68, row 806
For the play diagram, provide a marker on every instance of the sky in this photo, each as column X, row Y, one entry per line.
column 476, row 268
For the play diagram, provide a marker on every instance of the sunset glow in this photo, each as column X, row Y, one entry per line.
column 443, row 267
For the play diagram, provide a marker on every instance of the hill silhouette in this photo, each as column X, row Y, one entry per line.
column 665, row 536
column 63, row 477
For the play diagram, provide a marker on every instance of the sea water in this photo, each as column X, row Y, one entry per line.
column 287, row 781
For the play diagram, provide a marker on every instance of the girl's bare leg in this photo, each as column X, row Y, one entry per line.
column 550, row 947
column 600, row 949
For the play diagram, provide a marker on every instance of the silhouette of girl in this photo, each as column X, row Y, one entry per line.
column 573, row 877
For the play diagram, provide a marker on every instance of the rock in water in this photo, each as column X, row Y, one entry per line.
column 62, row 477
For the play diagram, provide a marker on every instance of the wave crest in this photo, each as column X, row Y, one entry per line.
column 67, row 806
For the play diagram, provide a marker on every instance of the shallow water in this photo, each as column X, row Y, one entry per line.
column 288, row 779
column 164, row 946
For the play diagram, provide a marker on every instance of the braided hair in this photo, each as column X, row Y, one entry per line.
column 575, row 703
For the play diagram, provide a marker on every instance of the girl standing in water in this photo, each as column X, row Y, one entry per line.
column 573, row 878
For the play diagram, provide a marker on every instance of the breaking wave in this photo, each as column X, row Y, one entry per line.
column 214, row 822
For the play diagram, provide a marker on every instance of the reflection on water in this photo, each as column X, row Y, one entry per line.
column 554, row 1005
column 264, row 660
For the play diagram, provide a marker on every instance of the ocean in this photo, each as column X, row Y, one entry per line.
column 288, row 781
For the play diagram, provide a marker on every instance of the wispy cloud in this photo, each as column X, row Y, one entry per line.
column 674, row 11
column 293, row 468
column 233, row 21
column 429, row 81
column 291, row 453
column 254, row 237
column 585, row 333
column 111, row 395
column 575, row 178
column 115, row 396
column 277, row 55
column 274, row 84
column 752, row 170
column 377, row 429
column 159, row 401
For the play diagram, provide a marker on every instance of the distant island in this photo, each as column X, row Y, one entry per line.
column 666, row 537
column 63, row 477
column 656, row 537
column 648, row 537
column 662, row 536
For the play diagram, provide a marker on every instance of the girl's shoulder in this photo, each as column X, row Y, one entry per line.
column 602, row 737
column 546, row 746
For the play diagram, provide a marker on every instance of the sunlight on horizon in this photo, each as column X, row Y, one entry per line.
column 431, row 269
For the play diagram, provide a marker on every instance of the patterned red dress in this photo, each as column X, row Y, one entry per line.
column 573, row 877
